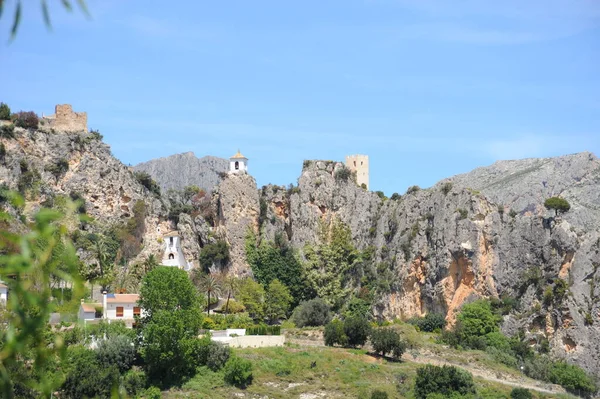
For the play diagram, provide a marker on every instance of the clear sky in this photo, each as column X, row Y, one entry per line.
column 426, row 88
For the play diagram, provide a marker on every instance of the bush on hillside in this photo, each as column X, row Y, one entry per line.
column 4, row 112
column 520, row 393
column 59, row 168
column 557, row 204
column 412, row 190
column 7, row 131
column 216, row 254
column 26, row 120
column 387, row 341
column 377, row 394
column 334, row 333
column 134, row 382
column 116, row 351
column 238, row 372
column 445, row 380
column 357, row 329
column 311, row 313
column 343, row 174
column 430, row 322
column 217, row 355
column 146, row 180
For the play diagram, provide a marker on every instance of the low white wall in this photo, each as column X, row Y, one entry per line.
column 256, row 341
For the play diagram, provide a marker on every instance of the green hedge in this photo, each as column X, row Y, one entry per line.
column 263, row 330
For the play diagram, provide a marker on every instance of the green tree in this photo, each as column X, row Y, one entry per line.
column 573, row 378
column 357, row 329
column 334, row 333
column 387, row 341
column 477, row 319
column 277, row 301
column 445, row 380
column 312, row 313
column 211, row 285
column 557, row 204
column 4, row 112
column 334, row 264
column 238, row 372
column 116, row 351
column 216, row 254
column 170, row 347
column 87, row 377
column 231, row 285
column 277, row 260
column 169, row 289
column 252, row 295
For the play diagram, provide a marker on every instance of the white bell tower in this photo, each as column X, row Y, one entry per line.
column 238, row 163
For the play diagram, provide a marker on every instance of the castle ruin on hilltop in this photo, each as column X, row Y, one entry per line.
column 360, row 165
column 65, row 120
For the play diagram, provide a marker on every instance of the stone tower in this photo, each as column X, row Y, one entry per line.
column 360, row 165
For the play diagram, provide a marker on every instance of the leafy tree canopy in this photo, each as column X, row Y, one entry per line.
column 557, row 204
column 169, row 289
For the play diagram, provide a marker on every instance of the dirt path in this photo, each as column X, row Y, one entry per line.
column 430, row 358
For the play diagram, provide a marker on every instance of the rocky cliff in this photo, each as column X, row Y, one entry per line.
column 181, row 170
column 480, row 235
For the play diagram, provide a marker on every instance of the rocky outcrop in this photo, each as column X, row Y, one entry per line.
column 453, row 243
column 181, row 170
column 237, row 210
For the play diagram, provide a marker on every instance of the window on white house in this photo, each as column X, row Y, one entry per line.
column 119, row 311
column 237, row 165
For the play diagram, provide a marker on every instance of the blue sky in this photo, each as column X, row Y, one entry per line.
column 426, row 88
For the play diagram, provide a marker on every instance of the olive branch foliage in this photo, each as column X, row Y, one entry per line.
column 28, row 264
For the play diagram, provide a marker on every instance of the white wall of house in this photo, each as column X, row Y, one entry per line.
column 111, row 311
column 83, row 315
column 3, row 294
column 242, row 165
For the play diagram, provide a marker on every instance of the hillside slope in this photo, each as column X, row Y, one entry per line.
column 181, row 170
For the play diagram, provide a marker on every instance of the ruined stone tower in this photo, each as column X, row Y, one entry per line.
column 65, row 120
column 360, row 165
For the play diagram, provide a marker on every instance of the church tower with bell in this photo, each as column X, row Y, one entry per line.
column 238, row 163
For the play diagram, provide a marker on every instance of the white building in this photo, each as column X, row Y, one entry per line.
column 3, row 292
column 115, row 307
column 238, row 163
column 173, row 255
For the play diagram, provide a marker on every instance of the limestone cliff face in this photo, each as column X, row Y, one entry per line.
column 237, row 208
column 450, row 244
column 108, row 187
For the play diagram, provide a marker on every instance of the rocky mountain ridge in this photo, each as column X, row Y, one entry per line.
column 475, row 235
column 181, row 170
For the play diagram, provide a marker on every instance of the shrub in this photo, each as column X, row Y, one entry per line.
column 306, row 163
column 311, row 313
column 513, row 214
column 445, row 380
column 334, row 333
column 558, row 205
column 386, row 340
column 343, row 174
column 377, row 394
column 395, row 197
column 263, row 329
column 59, row 168
column 520, row 393
column 2, row 151
column 357, row 329
column 152, row 393
column 412, row 190
column 381, row 195
column 85, row 377
column 430, row 323
column 363, row 186
column 7, row 131
column 134, row 382
column 477, row 319
column 238, row 372
column 217, row 355
column 573, row 378
column 146, row 180
column 446, row 188
column 216, row 254
column 116, row 351
column 26, row 120
column 4, row 112
column 95, row 135
column 463, row 213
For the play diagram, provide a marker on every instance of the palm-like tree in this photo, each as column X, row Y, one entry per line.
column 212, row 286
column 150, row 263
column 230, row 287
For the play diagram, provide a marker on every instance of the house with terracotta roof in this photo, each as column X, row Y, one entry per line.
column 114, row 307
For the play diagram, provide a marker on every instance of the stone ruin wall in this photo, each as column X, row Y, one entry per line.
column 65, row 120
